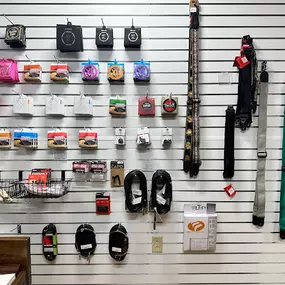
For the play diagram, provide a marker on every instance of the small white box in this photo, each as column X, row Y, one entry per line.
column 83, row 106
column 200, row 227
column 23, row 105
column 55, row 106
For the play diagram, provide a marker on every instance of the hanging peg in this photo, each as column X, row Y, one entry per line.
column 103, row 24
column 18, row 228
column 57, row 60
column 8, row 19
column 28, row 58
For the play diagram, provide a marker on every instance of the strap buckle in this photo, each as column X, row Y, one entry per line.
column 262, row 154
column 196, row 100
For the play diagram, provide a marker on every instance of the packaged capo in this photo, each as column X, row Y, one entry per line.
column 117, row 173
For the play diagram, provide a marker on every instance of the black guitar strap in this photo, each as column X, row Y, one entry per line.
column 248, row 84
column 229, row 147
column 192, row 133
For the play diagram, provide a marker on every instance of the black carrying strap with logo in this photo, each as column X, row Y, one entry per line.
column 191, row 161
column 69, row 37
column 247, row 86
column 85, row 240
column 118, row 242
column 136, row 202
column 229, row 146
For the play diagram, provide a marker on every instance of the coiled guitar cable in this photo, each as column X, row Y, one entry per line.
column 161, row 193
column 130, row 196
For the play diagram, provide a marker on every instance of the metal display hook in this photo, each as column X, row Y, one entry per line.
column 7, row 19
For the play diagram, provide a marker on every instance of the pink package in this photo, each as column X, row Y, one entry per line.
column 9, row 70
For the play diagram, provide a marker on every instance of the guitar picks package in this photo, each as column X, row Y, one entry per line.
column 25, row 138
column 9, row 71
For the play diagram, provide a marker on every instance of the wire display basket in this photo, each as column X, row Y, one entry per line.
column 17, row 189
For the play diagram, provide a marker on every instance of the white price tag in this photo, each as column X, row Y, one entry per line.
column 137, row 192
column 137, row 201
column 160, row 200
column 116, row 249
column 86, row 246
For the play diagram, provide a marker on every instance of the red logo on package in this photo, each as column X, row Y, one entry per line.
column 241, row 61
column 146, row 106
column 230, row 190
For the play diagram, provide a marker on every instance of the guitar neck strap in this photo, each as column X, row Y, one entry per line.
column 247, row 86
column 192, row 132
column 229, row 147
column 282, row 190
column 259, row 201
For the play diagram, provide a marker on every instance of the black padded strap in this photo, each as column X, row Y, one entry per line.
column 229, row 147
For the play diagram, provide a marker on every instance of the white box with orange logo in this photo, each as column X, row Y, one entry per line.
column 200, row 227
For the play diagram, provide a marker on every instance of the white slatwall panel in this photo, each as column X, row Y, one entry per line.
column 256, row 255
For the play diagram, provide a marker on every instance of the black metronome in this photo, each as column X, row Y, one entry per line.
column 133, row 37
column 104, row 37
column 15, row 35
column 69, row 37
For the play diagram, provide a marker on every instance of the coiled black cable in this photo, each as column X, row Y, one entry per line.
column 161, row 179
column 135, row 174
